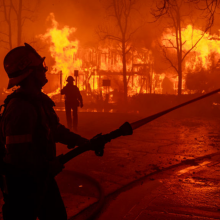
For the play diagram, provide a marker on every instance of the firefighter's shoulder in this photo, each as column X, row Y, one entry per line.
column 19, row 109
column 47, row 100
column 75, row 88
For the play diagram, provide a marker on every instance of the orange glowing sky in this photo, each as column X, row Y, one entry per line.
column 83, row 16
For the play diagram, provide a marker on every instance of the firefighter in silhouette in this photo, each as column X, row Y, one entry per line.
column 29, row 130
column 73, row 99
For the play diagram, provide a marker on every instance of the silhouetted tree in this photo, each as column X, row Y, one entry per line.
column 177, row 14
column 122, row 21
column 13, row 15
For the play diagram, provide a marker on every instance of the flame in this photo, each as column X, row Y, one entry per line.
column 202, row 51
column 62, row 49
column 65, row 52
column 57, row 91
column 108, row 59
column 200, row 54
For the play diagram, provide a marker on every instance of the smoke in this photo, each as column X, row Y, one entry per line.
column 82, row 15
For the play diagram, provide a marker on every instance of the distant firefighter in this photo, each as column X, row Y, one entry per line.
column 73, row 99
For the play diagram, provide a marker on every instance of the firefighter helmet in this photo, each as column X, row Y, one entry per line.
column 70, row 79
column 19, row 63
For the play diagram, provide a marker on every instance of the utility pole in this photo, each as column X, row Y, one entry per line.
column 76, row 74
column 61, row 84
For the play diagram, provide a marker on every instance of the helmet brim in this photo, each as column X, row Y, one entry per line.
column 18, row 63
column 16, row 80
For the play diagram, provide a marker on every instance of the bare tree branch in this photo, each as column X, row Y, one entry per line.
column 121, row 12
column 3, row 33
column 193, row 46
column 133, row 32
column 174, row 10
column 169, row 60
column 18, row 11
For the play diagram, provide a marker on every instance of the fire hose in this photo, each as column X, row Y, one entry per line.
column 98, row 142
column 124, row 130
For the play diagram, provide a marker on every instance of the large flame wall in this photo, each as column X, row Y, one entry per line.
column 94, row 65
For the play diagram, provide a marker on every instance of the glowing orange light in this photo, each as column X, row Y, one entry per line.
column 65, row 53
column 62, row 49
column 201, row 52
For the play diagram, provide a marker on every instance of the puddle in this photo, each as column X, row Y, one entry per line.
column 185, row 170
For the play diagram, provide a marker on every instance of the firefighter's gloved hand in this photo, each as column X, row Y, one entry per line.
column 98, row 144
column 55, row 167
column 81, row 141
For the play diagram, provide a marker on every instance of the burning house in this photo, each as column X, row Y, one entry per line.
column 99, row 68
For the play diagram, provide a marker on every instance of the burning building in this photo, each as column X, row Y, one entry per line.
column 99, row 67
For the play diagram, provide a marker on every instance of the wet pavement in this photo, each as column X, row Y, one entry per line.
column 162, row 144
column 187, row 191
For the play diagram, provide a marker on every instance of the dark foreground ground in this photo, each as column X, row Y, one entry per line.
column 162, row 143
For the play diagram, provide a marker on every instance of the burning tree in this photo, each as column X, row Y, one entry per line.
column 13, row 16
column 178, row 14
column 122, row 21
